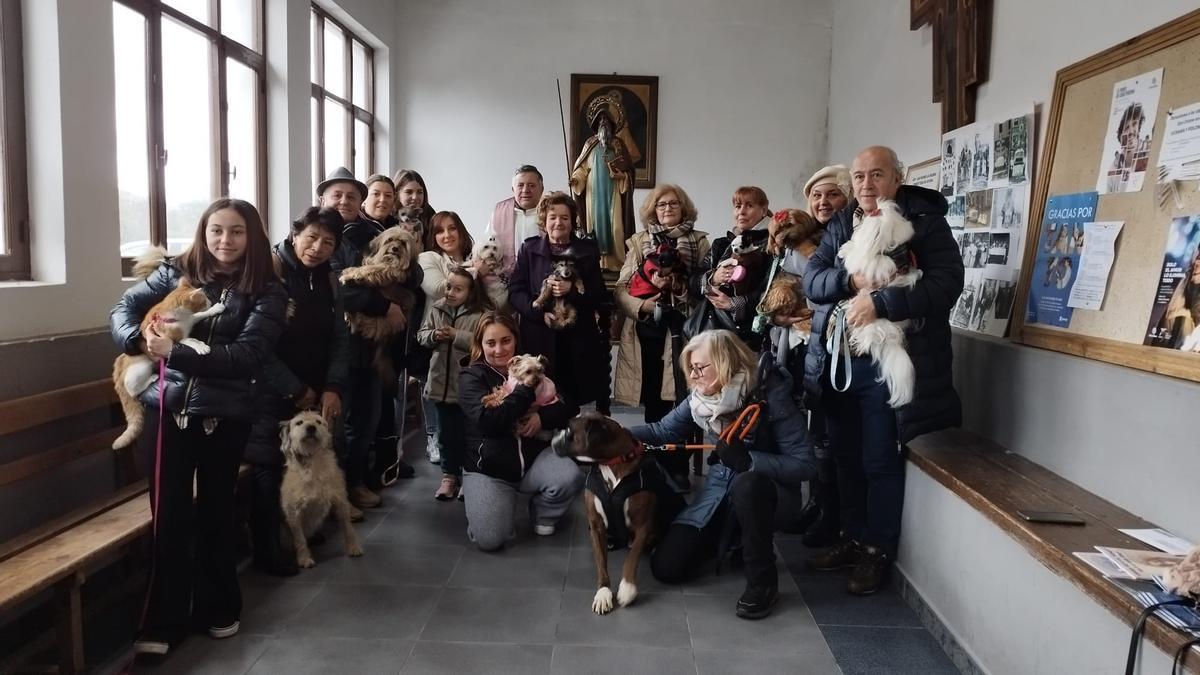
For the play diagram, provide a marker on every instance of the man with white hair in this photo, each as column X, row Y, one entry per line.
column 515, row 219
column 867, row 434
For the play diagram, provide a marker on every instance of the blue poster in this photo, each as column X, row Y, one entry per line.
column 1058, row 250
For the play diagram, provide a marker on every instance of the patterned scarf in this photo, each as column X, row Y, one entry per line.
column 714, row 413
column 679, row 238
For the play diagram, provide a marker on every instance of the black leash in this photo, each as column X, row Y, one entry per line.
column 1181, row 656
column 1140, row 627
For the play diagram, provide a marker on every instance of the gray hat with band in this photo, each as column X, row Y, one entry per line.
column 341, row 175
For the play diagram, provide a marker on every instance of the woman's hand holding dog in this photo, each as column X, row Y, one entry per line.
column 559, row 287
column 861, row 310
column 331, row 406
column 157, row 347
column 720, row 300
column 647, row 306
column 529, row 426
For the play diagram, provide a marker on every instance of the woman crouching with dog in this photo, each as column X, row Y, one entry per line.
column 506, row 453
column 753, row 486
column 209, row 402
column 308, row 369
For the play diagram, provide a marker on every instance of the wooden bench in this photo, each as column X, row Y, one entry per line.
column 998, row 483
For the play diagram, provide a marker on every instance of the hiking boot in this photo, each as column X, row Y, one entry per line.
column 362, row 497
column 433, row 449
column 845, row 554
column 448, row 490
column 870, row 572
column 756, row 602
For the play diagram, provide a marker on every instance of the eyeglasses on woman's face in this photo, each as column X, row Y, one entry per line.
column 697, row 369
column 667, row 206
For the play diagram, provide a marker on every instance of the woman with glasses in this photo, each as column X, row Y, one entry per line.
column 652, row 331
column 753, row 486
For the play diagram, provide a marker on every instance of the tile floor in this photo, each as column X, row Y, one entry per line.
column 422, row 600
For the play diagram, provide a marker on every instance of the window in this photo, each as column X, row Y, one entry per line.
column 191, row 114
column 343, row 95
column 14, row 211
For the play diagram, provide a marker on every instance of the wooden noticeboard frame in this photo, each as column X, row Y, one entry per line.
column 1082, row 96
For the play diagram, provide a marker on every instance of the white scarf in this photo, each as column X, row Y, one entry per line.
column 712, row 413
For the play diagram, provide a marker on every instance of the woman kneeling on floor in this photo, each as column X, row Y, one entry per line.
column 507, row 452
column 753, row 487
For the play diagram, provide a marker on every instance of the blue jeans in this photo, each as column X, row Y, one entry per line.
column 870, row 463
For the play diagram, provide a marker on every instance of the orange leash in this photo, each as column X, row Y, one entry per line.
column 741, row 427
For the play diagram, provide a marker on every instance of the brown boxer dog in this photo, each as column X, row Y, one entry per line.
column 626, row 497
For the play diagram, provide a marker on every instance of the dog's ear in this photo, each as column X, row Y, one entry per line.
column 543, row 360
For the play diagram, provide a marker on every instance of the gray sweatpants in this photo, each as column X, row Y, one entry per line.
column 491, row 502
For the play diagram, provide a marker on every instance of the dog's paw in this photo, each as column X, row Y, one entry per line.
column 354, row 550
column 603, row 602
column 306, row 562
column 626, row 593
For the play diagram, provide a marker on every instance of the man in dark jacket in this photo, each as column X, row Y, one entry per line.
column 866, row 433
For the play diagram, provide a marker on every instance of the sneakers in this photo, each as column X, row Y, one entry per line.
column 448, row 490
column 433, row 449
column 222, row 632
column 870, row 572
column 151, row 646
column 362, row 497
column 845, row 554
column 543, row 530
column 756, row 602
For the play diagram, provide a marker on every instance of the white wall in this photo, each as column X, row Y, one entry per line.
column 72, row 150
column 742, row 92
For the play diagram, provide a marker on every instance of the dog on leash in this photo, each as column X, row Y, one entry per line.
column 626, row 496
column 174, row 317
column 879, row 251
column 313, row 485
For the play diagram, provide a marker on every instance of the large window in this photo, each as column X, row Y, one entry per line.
column 343, row 99
column 191, row 114
column 14, row 205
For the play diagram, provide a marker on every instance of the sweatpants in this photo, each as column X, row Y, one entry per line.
column 491, row 502
column 761, row 508
column 194, row 578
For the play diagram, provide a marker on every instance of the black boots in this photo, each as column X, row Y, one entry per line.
column 825, row 527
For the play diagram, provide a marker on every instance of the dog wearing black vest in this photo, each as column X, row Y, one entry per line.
column 626, row 496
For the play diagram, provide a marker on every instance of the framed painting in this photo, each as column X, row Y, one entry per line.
column 639, row 128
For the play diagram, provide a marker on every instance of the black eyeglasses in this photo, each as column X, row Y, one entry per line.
column 662, row 206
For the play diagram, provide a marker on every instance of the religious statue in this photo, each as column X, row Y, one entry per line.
column 602, row 180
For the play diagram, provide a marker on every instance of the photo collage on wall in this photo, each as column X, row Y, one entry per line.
column 985, row 177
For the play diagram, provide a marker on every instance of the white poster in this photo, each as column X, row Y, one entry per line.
column 1099, row 249
column 1130, row 132
column 1179, row 158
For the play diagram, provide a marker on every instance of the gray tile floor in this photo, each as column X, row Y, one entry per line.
column 421, row 600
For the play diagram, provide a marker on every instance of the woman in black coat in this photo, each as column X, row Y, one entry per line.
column 208, row 400
column 578, row 353
column 307, row 369
column 507, row 447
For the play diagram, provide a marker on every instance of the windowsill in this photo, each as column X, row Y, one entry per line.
column 29, row 284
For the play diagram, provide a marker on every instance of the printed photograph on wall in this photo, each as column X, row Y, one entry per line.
column 1130, row 132
column 1176, row 313
column 1008, row 208
column 631, row 104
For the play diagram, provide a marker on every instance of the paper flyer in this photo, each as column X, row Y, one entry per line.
column 1179, row 157
column 1100, row 563
column 1095, row 262
column 1058, row 248
column 1140, row 564
column 1130, row 133
column 1162, row 540
column 1176, row 312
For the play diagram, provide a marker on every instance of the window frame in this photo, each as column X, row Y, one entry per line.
column 15, row 265
column 320, row 95
column 222, row 48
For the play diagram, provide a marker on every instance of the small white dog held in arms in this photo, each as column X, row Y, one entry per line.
column 878, row 241
column 312, row 484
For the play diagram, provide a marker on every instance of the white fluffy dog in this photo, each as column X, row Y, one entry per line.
column 312, row 484
column 872, row 251
column 485, row 259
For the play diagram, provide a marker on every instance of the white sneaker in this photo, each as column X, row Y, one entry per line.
column 156, row 647
column 542, row 530
column 220, row 632
column 434, row 450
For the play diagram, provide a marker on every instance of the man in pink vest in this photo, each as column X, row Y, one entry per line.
column 515, row 219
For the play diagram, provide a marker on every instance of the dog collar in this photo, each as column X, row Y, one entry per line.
column 637, row 451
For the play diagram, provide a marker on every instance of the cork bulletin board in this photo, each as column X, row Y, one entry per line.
column 1075, row 142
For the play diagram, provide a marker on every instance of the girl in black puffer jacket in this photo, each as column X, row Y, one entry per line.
column 307, row 369
column 209, row 404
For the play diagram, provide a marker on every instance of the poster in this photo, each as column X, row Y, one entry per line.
column 1095, row 262
column 924, row 174
column 984, row 174
column 1176, row 311
column 1179, row 157
column 1059, row 246
column 1130, row 132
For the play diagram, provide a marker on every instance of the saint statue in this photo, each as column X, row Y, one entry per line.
column 602, row 180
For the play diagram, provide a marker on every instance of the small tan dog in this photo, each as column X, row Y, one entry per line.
column 387, row 266
column 173, row 317
column 312, row 484
column 529, row 371
column 563, row 312
column 785, row 300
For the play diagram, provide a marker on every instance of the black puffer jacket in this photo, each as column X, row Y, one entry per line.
column 492, row 446
column 221, row 383
column 928, row 303
column 745, row 308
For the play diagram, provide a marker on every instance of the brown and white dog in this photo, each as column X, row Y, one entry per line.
column 626, row 497
column 390, row 260
column 563, row 312
column 313, row 485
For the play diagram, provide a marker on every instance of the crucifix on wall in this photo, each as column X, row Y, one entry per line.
column 961, row 41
